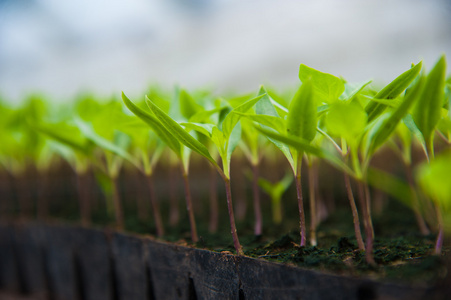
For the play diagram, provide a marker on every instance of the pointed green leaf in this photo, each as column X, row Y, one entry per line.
column 178, row 132
column 155, row 124
column 346, row 120
column 351, row 90
column 103, row 143
column 384, row 128
column 204, row 128
column 434, row 179
column 302, row 119
column 266, row 107
column 326, row 86
column 410, row 123
column 234, row 139
column 188, row 107
column 391, row 185
column 276, row 123
column 393, row 103
column 305, row 146
column 66, row 135
column 232, row 118
column 428, row 108
column 392, row 90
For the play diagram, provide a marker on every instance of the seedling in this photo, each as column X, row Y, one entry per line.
column 328, row 120
column 275, row 191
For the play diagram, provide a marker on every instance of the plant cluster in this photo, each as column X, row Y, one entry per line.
column 326, row 120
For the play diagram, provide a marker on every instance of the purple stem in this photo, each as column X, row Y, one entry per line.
column 258, row 230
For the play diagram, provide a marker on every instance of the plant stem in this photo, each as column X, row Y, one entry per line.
column 84, row 197
column 236, row 242
column 155, row 207
column 276, row 210
column 312, row 173
column 189, row 207
column 141, row 207
column 23, row 195
column 214, row 208
column 364, row 198
column 355, row 213
column 119, row 214
column 174, row 212
column 416, row 202
column 258, row 229
column 300, row 201
column 240, row 194
column 440, row 235
column 42, row 207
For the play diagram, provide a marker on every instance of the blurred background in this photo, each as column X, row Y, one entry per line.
column 62, row 48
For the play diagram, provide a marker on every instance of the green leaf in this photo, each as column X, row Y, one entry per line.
column 232, row 118
column 234, row 139
column 435, row 181
column 384, row 128
column 346, row 120
column 204, row 115
column 305, row 146
column 266, row 107
column 410, row 123
column 302, row 119
column 391, row 185
column 188, row 107
column 393, row 103
column 204, row 128
column 276, row 190
column 326, row 86
column 179, row 133
column 103, row 143
column 351, row 90
column 392, row 90
column 66, row 135
column 155, row 124
column 428, row 108
column 276, row 123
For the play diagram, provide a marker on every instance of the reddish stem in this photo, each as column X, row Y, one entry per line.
column 42, row 207
column 155, row 207
column 83, row 198
column 214, row 208
column 355, row 213
column 440, row 236
column 312, row 173
column 119, row 214
column 258, row 229
column 416, row 202
column 174, row 212
column 368, row 224
column 236, row 242
column 189, row 208
column 300, row 202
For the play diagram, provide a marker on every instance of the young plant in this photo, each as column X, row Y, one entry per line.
column 225, row 140
column 301, row 124
column 113, row 146
column 182, row 152
column 251, row 144
column 434, row 179
column 78, row 152
column 275, row 192
column 147, row 148
column 324, row 88
column 427, row 114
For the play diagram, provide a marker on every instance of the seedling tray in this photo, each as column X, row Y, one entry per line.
column 68, row 262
